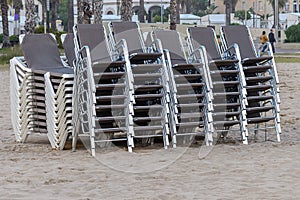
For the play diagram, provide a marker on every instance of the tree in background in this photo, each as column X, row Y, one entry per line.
column 173, row 17
column 4, row 12
column 97, row 10
column 126, row 10
column 84, row 12
column 142, row 11
column 281, row 4
column 70, row 16
column 30, row 16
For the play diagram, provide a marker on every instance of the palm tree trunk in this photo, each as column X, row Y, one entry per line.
column 30, row 16
column 4, row 11
column 142, row 11
column 188, row 6
column 173, row 14
column 84, row 12
column 97, row 10
column 177, row 11
column 53, row 14
column 227, row 11
column 126, row 10
column 70, row 16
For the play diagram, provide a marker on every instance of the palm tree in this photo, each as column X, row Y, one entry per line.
column 177, row 11
column 70, row 16
column 84, row 12
column 229, row 8
column 53, row 14
column 97, row 10
column 173, row 17
column 281, row 4
column 30, row 16
column 4, row 12
column 142, row 11
column 126, row 10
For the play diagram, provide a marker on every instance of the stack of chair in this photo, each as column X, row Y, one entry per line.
column 102, row 90
column 190, row 105
column 41, row 88
column 228, row 83
column 261, row 79
column 150, row 84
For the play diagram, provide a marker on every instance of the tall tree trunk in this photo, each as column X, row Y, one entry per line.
column 4, row 11
column 97, row 10
column 142, row 11
column 227, row 11
column 53, row 14
column 70, row 16
column 84, row 12
column 177, row 11
column 30, row 16
column 188, row 6
column 173, row 14
column 126, row 10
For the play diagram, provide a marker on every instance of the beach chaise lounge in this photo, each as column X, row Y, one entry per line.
column 41, row 91
column 190, row 105
column 103, row 89
column 228, row 82
column 261, row 79
column 150, row 82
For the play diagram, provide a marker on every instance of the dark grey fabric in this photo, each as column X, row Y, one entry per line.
column 69, row 48
column 92, row 35
column 239, row 35
column 170, row 40
column 205, row 36
column 128, row 31
column 41, row 52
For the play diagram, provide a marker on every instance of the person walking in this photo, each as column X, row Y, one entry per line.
column 272, row 39
column 263, row 40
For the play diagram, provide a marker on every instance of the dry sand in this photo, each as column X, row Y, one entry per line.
column 260, row 170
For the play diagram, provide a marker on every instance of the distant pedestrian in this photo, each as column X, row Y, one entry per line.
column 263, row 40
column 272, row 40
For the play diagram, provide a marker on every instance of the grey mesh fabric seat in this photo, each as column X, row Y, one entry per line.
column 130, row 31
column 261, row 78
column 104, row 91
column 190, row 105
column 228, row 82
column 67, row 40
column 150, row 82
column 40, row 84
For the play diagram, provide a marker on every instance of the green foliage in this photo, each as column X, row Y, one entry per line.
column 62, row 12
column 14, row 39
column 157, row 18
column 293, row 33
column 234, row 24
column 240, row 14
column 8, row 53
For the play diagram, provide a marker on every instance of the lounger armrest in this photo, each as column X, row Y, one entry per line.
column 232, row 52
column 120, row 50
column 195, row 56
column 155, row 45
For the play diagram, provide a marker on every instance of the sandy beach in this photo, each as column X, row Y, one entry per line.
column 260, row 170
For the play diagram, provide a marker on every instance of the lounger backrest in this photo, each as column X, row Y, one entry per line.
column 131, row 33
column 171, row 41
column 205, row 36
column 239, row 35
column 93, row 36
column 41, row 51
column 69, row 48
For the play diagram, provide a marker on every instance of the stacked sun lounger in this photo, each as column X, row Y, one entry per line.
column 103, row 90
column 150, row 84
column 228, row 82
column 40, row 83
column 261, row 80
column 190, row 100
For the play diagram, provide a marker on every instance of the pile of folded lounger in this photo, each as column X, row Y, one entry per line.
column 117, row 87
